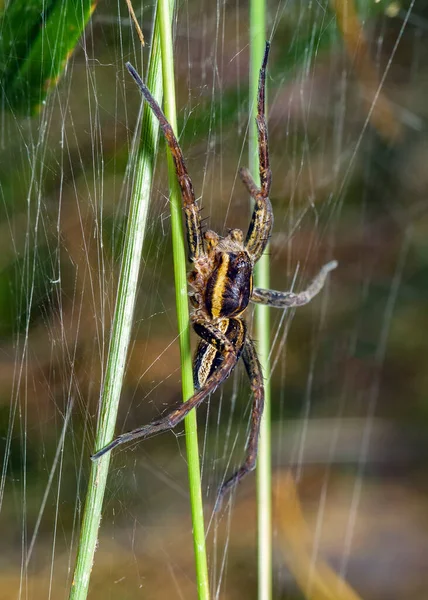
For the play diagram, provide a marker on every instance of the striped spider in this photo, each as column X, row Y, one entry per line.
column 222, row 287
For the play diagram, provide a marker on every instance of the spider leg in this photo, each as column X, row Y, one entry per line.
column 191, row 209
column 228, row 336
column 215, row 334
column 255, row 374
column 262, row 220
column 289, row 299
column 175, row 416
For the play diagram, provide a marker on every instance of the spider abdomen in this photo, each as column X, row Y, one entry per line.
column 229, row 288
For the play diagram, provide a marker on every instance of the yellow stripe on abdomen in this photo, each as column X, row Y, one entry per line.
column 219, row 286
column 209, row 357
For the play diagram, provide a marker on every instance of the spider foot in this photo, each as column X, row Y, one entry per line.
column 105, row 449
column 231, row 483
column 330, row 266
column 135, row 434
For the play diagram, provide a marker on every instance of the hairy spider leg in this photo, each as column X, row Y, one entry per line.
column 255, row 375
column 175, row 416
column 195, row 238
column 264, row 169
column 261, row 223
column 213, row 334
column 209, row 357
column 289, row 299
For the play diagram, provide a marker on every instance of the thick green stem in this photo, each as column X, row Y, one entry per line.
column 181, row 298
column 262, row 327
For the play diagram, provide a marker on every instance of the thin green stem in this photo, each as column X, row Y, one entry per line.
column 262, row 326
column 180, row 275
column 121, row 329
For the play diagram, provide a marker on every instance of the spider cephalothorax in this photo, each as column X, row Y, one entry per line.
column 222, row 287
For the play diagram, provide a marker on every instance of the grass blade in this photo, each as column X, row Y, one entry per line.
column 121, row 331
column 262, row 326
column 180, row 275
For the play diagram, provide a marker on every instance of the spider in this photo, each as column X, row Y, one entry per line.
column 222, row 287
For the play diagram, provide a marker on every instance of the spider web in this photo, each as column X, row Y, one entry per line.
column 348, row 371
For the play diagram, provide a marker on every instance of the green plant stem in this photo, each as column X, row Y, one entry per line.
column 121, row 329
column 262, row 327
column 180, row 275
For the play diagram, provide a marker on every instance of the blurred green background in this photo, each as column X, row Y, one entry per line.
column 350, row 382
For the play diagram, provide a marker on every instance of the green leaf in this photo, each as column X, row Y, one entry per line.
column 37, row 38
